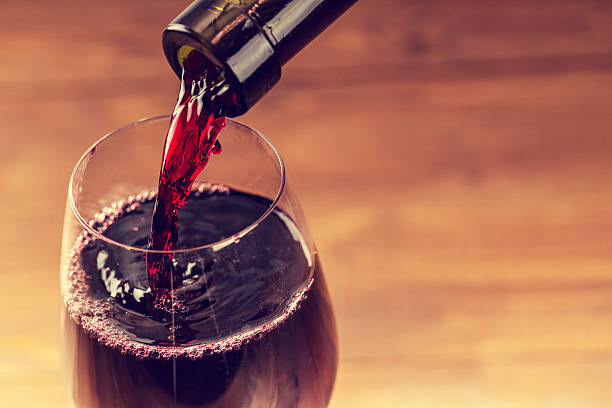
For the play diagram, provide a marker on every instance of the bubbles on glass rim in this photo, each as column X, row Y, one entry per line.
column 94, row 315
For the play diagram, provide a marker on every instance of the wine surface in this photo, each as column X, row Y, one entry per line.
column 250, row 323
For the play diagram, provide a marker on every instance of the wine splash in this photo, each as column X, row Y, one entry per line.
column 194, row 127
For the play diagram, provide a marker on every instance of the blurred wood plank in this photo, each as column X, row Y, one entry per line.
column 115, row 40
column 453, row 159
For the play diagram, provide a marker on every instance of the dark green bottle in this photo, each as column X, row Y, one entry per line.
column 248, row 40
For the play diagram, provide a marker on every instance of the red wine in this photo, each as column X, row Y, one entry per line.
column 192, row 137
column 251, row 325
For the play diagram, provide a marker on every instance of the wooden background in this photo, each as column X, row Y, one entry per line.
column 453, row 159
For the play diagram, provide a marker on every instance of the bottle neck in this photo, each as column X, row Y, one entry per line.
column 290, row 25
column 249, row 40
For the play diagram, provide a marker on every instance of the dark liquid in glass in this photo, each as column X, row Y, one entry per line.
column 251, row 325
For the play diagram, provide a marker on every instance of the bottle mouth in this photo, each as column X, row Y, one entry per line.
column 79, row 170
column 240, row 51
column 194, row 61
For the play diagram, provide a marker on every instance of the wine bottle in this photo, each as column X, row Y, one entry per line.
column 248, row 40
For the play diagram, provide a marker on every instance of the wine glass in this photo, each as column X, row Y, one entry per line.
column 249, row 322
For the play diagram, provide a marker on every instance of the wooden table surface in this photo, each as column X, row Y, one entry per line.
column 453, row 159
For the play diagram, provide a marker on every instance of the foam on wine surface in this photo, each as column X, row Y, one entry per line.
column 222, row 298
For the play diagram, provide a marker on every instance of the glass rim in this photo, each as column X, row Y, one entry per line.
column 212, row 245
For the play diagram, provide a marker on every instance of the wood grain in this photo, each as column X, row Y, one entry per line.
column 452, row 157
